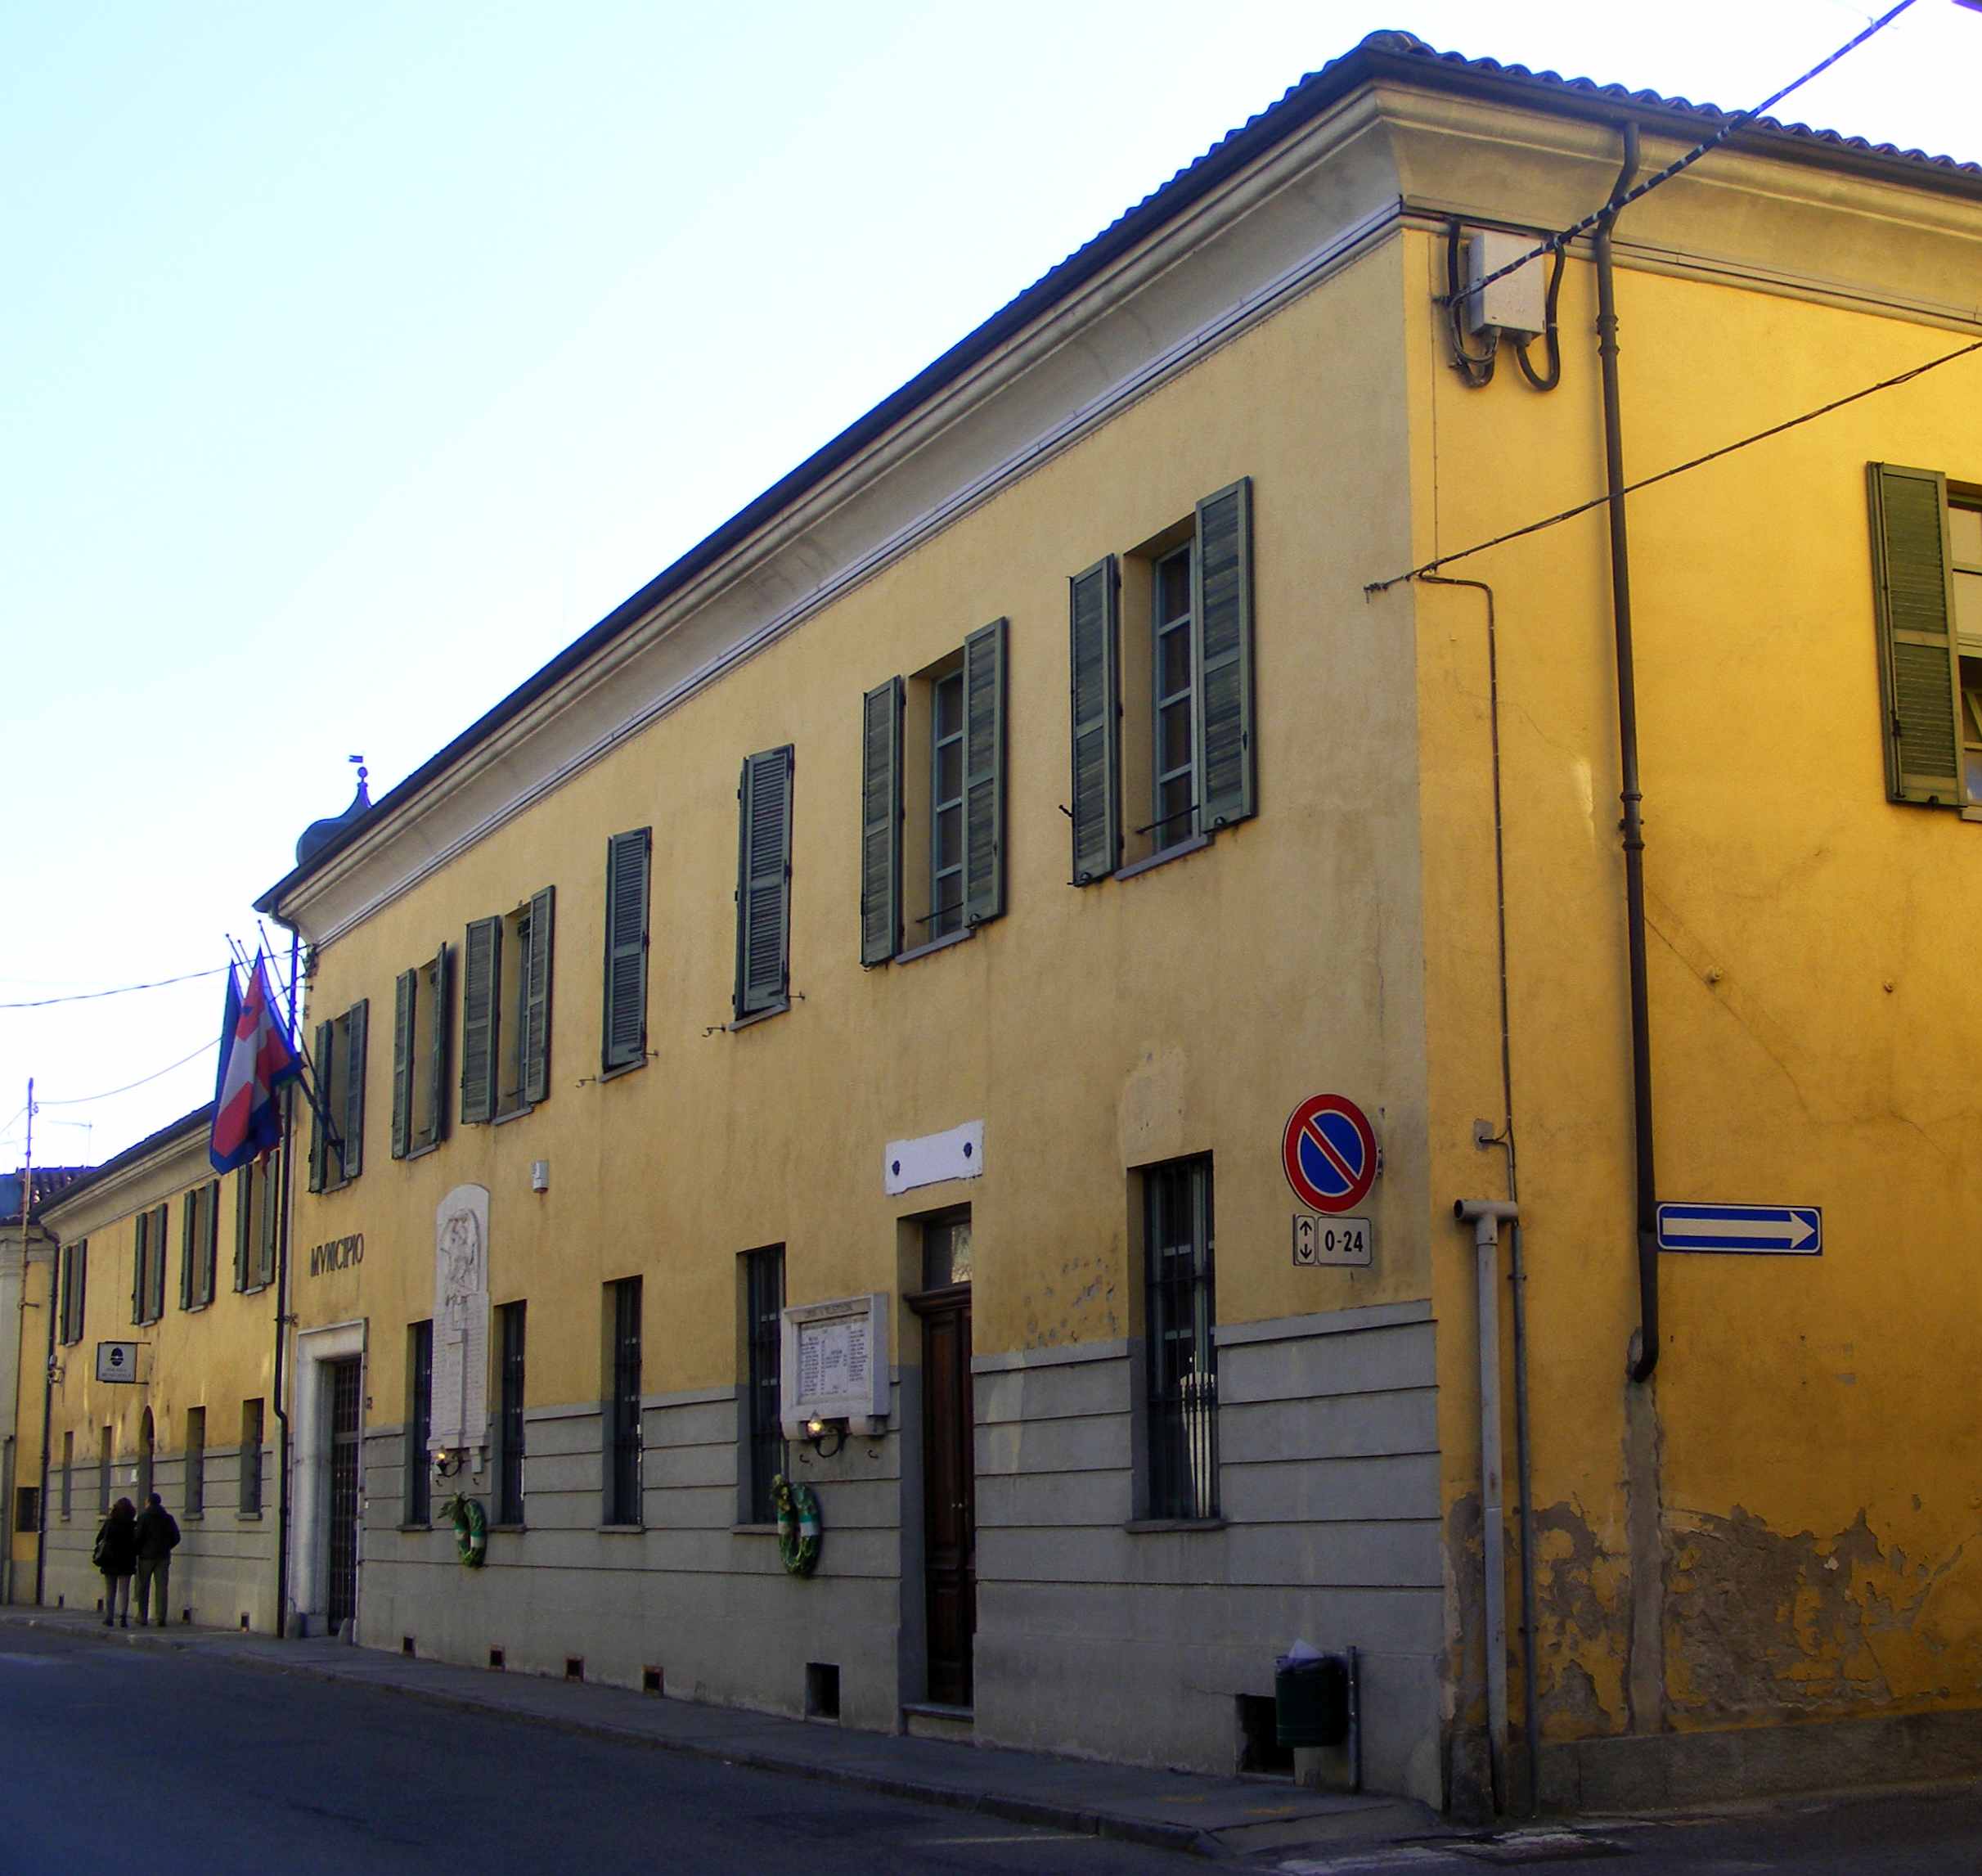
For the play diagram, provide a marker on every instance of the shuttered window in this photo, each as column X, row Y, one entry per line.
column 881, row 822
column 623, row 1041
column 984, row 660
column 505, row 1010
column 258, row 1188
column 337, row 1131
column 75, row 1277
column 199, row 1230
column 148, row 1252
column 420, row 1056
column 1186, row 750
column 1095, row 687
column 1920, row 663
column 763, row 882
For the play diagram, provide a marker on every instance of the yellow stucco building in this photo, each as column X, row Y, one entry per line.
column 162, row 1375
column 882, row 974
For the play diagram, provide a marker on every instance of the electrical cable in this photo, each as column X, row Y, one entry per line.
column 1476, row 367
column 1554, row 376
column 83, row 1100
column 1739, row 121
column 1681, row 468
column 122, row 990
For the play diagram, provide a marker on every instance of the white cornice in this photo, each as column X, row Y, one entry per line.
column 1313, row 205
column 162, row 1174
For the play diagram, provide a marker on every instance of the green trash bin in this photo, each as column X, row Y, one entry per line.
column 1311, row 1700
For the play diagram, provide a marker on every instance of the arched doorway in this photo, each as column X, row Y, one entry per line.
column 145, row 1442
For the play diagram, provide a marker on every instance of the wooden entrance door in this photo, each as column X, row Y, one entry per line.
column 342, row 1384
column 949, row 1475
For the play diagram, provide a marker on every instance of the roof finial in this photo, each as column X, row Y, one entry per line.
column 363, row 775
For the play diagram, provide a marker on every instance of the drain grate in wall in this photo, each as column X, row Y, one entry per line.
column 651, row 1680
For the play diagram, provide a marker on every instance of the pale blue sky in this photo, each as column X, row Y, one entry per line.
column 366, row 356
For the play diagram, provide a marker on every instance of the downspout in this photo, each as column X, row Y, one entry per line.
column 1486, row 1216
column 48, row 1415
column 1643, row 1354
column 1517, row 1275
column 285, row 1200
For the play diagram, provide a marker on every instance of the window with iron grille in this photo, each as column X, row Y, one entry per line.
column 251, row 1493
column 509, row 1432
column 68, row 1473
column 623, row 1492
column 418, row 1423
column 1182, row 1402
column 763, row 1328
column 103, row 1473
column 195, row 1461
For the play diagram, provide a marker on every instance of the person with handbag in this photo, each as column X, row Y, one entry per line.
column 116, row 1556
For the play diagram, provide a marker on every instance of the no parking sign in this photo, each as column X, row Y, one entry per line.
column 1328, row 1152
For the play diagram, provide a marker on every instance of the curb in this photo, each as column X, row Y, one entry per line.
column 1151, row 1833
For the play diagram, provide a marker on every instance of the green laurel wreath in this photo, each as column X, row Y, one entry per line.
column 470, row 1529
column 797, row 1525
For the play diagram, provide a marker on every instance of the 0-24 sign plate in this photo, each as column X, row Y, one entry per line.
column 1331, row 1240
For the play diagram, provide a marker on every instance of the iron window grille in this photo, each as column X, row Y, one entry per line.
column 764, row 1302
column 623, row 1481
column 509, row 1484
column 1182, row 1363
column 195, row 1461
column 251, row 1493
column 419, row 1425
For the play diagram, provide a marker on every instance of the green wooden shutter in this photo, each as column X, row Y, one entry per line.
column 881, row 822
column 436, row 1065
column 984, row 688
column 406, row 993
column 1919, row 661
column 481, row 992
column 271, row 1220
column 161, row 1235
column 188, row 1250
column 624, row 1037
column 763, row 881
column 137, row 1266
column 356, row 1019
column 321, row 1070
column 1221, row 603
column 537, row 997
column 245, row 1223
column 1093, row 639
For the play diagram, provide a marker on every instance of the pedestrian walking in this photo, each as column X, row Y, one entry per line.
column 116, row 1556
column 158, row 1536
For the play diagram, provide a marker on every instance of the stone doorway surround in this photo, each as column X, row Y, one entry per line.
column 309, row 1574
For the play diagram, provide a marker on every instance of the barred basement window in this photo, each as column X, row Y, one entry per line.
column 1182, row 1401
column 249, row 1496
column 195, row 1461
column 763, row 1288
column 103, row 1473
column 418, row 1423
column 622, row 1446
column 68, row 1473
column 509, row 1424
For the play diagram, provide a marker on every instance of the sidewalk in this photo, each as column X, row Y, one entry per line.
column 1172, row 1810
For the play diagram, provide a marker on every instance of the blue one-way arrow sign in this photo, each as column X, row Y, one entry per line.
column 1779, row 1230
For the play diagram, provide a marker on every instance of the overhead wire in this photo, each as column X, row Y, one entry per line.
column 1680, row 468
column 83, row 1100
column 120, row 990
column 1741, row 120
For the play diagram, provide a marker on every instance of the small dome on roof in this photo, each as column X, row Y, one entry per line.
column 320, row 834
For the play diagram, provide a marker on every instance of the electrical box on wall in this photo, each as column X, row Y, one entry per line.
column 1514, row 303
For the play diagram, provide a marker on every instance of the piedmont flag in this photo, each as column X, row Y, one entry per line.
column 255, row 1059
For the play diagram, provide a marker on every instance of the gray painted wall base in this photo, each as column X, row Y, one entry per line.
column 1664, row 1770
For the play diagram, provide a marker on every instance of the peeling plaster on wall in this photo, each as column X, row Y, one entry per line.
column 1088, row 1311
column 1580, row 1589
column 1762, row 1625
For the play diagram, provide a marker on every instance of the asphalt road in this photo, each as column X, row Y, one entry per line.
column 148, row 1762
column 116, row 1759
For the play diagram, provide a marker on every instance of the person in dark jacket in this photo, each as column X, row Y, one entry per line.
column 158, row 1536
column 116, row 1556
